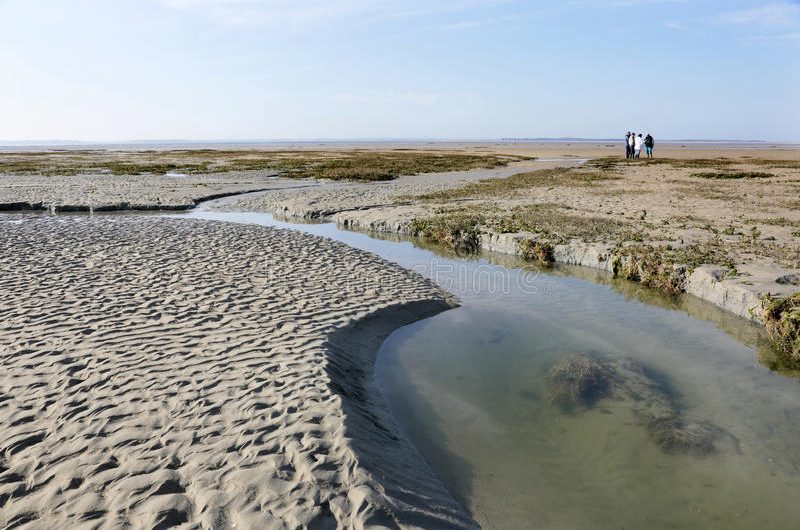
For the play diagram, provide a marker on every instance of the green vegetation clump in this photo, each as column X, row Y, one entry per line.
column 734, row 175
column 457, row 231
column 578, row 382
column 651, row 270
column 539, row 252
column 781, row 317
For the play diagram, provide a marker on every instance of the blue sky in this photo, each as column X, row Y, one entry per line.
column 290, row 69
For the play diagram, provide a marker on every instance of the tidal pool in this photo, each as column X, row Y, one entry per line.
column 469, row 387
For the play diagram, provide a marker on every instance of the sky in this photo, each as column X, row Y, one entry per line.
column 120, row 70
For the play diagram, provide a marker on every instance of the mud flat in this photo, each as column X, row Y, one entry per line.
column 98, row 192
column 159, row 372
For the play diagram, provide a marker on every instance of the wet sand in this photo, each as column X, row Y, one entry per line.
column 99, row 192
column 159, row 372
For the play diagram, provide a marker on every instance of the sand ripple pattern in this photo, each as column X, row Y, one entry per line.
column 175, row 373
column 129, row 192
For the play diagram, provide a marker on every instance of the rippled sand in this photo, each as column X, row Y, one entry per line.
column 161, row 372
column 129, row 192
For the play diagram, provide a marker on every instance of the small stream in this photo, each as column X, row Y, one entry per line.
column 470, row 388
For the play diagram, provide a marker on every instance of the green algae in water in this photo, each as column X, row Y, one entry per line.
column 582, row 381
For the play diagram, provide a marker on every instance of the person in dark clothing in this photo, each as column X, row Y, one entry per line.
column 628, row 145
column 649, row 143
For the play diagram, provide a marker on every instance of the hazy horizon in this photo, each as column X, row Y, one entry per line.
column 257, row 141
column 338, row 70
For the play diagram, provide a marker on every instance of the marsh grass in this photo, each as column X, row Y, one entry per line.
column 734, row 175
column 651, row 270
column 664, row 267
column 612, row 163
column 556, row 223
column 540, row 252
column 781, row 317
column 509, row 186
column 458, row 231
column 365, row 165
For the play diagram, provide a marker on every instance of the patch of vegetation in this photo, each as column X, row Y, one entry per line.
column 539, row 252
column 337, row 165
column 503, row 187
column 607, row 163
column 457, row 231
column 649, row 270
column 694, row 163
column 555, row 223
column 664, row 267
column 785, row 254
column 611, row 163
column 388, row 166
column 781, row 317
column 774, row 164
column 134, row 168
column 734, row 175
column 773, row 221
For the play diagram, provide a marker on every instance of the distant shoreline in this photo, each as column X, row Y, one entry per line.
column 11, row 146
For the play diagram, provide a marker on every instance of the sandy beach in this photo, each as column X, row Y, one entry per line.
column 162, row 372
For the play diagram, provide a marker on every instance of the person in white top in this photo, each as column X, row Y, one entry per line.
column 631, row 144
column 637, row 146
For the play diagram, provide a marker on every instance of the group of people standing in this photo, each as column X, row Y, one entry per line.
column 634, row 144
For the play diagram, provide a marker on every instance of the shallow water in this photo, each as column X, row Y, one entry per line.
column 469, row 385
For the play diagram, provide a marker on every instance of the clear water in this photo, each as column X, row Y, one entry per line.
column 468, row 387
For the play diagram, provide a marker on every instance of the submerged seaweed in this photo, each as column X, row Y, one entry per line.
column 581, row 381
column 578, row 382
column 674, row 434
